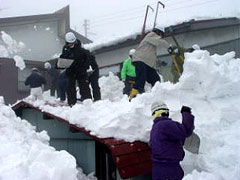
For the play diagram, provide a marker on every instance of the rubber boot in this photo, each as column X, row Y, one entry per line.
column 133, row 93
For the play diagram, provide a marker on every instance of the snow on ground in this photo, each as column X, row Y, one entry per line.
column 210, row 84
column 26, row 154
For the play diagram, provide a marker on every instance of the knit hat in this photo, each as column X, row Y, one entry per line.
column 157, row 105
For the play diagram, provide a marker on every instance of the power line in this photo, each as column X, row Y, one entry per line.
column 117, row 21
column 133, row 11
column 124, row 18
column 206, row 2
column 126, row 10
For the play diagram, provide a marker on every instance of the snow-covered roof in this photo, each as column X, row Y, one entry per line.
column 131, row 159
column 135, row 37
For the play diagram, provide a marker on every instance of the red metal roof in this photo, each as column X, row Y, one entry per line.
column 131, row 159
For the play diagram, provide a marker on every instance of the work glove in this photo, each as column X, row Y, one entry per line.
column 170, row 50
column 163, row 63
column 186, row 109
column 176, row 51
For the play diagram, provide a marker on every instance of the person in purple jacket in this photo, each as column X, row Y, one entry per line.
column 167, row 140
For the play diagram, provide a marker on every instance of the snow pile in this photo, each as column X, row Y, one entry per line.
column 9, row 49
column 210, row 85
column 111, row 87
column 25, row 154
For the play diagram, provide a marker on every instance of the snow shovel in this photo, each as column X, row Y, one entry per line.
column 192, row 143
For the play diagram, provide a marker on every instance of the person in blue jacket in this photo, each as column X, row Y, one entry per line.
column 166, row 141
column 35, row 80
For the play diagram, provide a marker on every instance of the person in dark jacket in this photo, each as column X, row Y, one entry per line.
column 35, row 80
column 166, row 141
column 93, row 75
column 78, row 69
column 62, row 85
column 54, row 73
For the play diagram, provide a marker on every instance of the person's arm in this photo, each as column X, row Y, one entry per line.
column 124, row 70
column 177, row 131
column 93, row 62
column 66, row 53
column 27, row 81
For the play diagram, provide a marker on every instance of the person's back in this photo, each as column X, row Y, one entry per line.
column 128, row 69
column 147, row 49
column 35, row 80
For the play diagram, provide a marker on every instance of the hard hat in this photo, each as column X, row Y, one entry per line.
column 131, row 52
column 159, row 28
column 35, row 69
column 70, row 37
column 157, row 105
column 47, row 65
column 196, row 47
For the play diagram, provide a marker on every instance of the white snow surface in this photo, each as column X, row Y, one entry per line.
column 9, row 49
column 26, row 154
column 210, row 85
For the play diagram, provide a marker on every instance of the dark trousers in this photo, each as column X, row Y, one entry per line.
column 144, row 73
column 93, row 79
column 53, row 89
column 167, row 171
column 84, row 89
column 62, row 89
column 128, row 84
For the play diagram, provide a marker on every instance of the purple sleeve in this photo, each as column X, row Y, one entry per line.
column 188, row 122
column 177, row 131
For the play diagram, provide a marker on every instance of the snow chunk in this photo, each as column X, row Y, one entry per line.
column 19, row 62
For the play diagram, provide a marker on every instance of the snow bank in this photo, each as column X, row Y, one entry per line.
column 25, row 154
column 210, row 84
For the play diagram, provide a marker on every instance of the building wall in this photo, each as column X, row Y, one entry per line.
column 216, row 40
column 78, row 144
column 9, row 82
column 40, row 38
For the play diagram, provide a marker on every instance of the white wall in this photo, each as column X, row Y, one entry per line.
column 40, row 39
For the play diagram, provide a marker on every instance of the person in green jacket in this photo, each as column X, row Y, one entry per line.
column 128, row 74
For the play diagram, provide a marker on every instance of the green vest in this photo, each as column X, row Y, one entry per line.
column 128, row 69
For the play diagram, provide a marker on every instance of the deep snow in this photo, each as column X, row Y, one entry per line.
column 210, row 85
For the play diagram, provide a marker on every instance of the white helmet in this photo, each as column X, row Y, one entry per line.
column 196, row 47
column 47, row 65
column 70, row 37
column 157, row 105
column 160, row 28
column 131, row 52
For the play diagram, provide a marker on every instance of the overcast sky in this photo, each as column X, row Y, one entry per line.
column 119, row 17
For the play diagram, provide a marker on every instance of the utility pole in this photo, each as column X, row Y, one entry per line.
column 86, row 27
